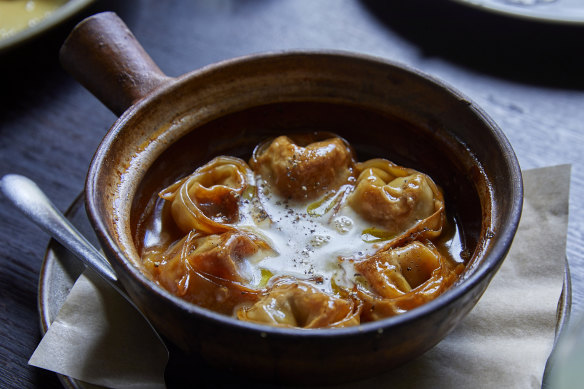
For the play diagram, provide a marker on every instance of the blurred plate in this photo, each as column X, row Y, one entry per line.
column 44, row 23
column 554, row 11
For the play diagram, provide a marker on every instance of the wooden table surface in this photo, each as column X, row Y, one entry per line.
column 528, row 76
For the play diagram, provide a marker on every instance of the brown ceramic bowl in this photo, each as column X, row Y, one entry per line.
column 170, row 126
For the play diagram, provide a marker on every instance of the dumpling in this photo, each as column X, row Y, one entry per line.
column 402, row 278
column 208, row 200
column 207, row 269
column 293, row 303
column 401, row 200
column 304, row 172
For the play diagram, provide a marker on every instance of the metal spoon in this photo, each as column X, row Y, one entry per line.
column 30, row 200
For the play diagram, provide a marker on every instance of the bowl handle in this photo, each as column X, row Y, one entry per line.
column 105, row 57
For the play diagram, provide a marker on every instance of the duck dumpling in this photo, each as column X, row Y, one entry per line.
column 304, row 172
column 208, row 270
column 208, row 200
column 399, row 199
column 401, row 278
column 293, row 303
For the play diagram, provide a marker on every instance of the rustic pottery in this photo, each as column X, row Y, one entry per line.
column 169, row 126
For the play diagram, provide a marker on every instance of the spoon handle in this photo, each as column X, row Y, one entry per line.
column 31, row 201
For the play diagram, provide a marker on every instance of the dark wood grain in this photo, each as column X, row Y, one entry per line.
column 526, row 75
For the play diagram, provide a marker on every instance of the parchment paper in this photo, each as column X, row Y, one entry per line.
column 503, row 343
column 98, row 337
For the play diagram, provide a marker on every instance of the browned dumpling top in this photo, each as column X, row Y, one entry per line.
column 304, row 172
